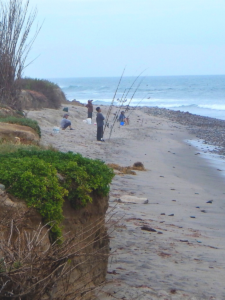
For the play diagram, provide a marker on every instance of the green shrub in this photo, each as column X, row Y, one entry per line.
column 46, row 87
column 22, row 121
column 32, row 175
column 8, row 147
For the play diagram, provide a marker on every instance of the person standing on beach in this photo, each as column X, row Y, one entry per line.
column 90, row 108
column 100, row 122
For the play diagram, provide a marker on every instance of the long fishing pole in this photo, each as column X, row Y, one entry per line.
column 121, row 100
column 117, row 113
column 116, row 116
column 134, row 94
column 115, row 119
column 134, row 82
column 137, row 105
column 110, row 108
column 124, row 101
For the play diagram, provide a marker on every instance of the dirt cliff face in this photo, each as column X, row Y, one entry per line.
column 32, row 100
column 25, row 134
column 7, row 111
column 89, row 224
column 87, row 254
column 37, row 100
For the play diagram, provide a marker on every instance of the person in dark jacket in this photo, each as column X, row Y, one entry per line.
column 122, row 118
column 100, row 122
column 90, row 108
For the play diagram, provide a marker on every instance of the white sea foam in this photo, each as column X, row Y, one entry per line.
column 213, row 106
column 215, row 160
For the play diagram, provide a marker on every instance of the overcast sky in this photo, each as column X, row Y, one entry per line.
column 88, row 38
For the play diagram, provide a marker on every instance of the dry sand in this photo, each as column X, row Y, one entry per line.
column 184, row 257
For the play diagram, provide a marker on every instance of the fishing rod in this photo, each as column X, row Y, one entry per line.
column 110, row 108
column 134, row 82
column 117, row 113
column 134, row 94
column 137, row 105
column 115, row 118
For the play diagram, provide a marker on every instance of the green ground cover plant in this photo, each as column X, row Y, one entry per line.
column 22, row 121
column 45, row 178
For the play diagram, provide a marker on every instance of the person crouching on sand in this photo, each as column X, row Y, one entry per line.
column 65, row 123
column 100, row 122
column 122, row 118
column 90, row 108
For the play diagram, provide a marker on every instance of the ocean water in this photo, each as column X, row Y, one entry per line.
column 201, row 95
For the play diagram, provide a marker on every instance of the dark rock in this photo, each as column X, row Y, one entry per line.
column 210, row 201
column 139, row 165
column 171, row 215
column 193, row 217
column 145, row 227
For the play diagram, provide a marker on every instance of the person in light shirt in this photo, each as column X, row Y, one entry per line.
column 65, row 122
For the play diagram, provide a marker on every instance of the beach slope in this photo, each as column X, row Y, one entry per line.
column 173, row 246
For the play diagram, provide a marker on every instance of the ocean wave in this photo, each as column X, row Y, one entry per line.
column 70, row 87
column 219, row 107
column 161, row 103
column 213, row 106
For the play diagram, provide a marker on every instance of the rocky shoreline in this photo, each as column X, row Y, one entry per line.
column 211, row 130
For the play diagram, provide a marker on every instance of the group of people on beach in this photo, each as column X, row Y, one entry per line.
column 99, row 120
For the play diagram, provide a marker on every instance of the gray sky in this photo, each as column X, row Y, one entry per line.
column 88, row 38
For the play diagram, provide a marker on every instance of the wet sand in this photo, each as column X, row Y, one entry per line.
column 184, row 257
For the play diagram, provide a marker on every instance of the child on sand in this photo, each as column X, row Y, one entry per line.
column 100, row 122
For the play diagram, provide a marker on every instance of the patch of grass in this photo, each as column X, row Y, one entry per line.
column 128, row 170
column 6, row 147
column 22, row 121
column 123, row 170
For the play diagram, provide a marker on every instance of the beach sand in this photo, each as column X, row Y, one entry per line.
column 184, row 257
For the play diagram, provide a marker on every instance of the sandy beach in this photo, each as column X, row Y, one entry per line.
column 182, row 256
